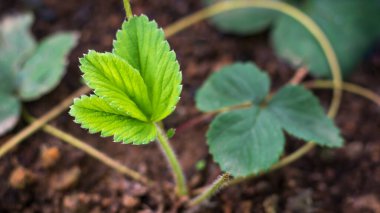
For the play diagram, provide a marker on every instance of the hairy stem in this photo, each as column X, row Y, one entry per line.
column 37, row 124
column 128, row 9
column 91, row 151
column 218, row 184
column 167, row 150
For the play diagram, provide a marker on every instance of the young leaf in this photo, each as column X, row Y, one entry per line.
column 117, row 82
column 136, row 85
column 170, row 133
column 43, row 71
column 245, row 141
column 9, row 112
column 244, row 21
column 350, row 30
column 96, row 115
column 142, row 44
column 233, row 85
column 301, row 115
column 16, row 44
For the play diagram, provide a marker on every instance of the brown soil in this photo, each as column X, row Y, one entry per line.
column 340, row 180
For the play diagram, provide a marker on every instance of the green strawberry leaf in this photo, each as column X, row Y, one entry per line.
column 234, row 84
column 9, row 112
column 242, row 21
column 44, row 70
column 350, row 30
column 118, row 82
column 300, row 114
column 96, row 115
column 135, row 86
column 245, row 141
column 142, row 44
column 250, row 140
column 16, row 45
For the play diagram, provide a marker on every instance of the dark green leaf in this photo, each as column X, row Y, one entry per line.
column 245, row 141
column 301, row 115
column 233, row 85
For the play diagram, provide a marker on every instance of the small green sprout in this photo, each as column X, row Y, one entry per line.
column 200, row 165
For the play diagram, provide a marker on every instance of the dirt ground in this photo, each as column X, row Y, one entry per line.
column 339, row 180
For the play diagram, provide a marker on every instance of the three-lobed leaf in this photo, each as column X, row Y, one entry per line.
column 250, row 140
column 140, row 81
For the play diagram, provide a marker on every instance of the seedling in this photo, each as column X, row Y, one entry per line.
column 28, row 69
column 138, row 85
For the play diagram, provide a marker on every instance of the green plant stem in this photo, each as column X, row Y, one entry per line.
column 37, row 124
column 282, row 163
column 90, row 151
column 128, row 9
column 218, row 184
column 179, row 177
column 349, row 87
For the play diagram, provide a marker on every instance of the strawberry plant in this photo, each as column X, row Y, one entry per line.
column 247, row 136
column 138, row 84
column 28, row 69
column 135, row 88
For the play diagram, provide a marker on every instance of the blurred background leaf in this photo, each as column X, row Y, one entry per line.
column 242, row 21
column 9, row 112
column 350, row 25
column 16, row 45
column 43, row 71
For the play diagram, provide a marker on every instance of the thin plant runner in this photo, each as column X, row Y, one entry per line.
column 138, row 85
